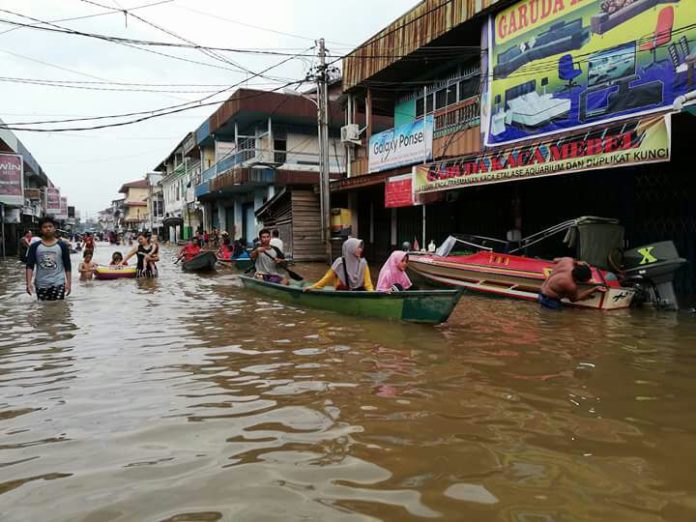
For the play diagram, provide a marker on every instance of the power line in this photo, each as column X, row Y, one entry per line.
column 93, row 15
column 244, row 24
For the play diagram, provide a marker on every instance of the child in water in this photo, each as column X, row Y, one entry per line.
column 116, row 259
column 87, row 267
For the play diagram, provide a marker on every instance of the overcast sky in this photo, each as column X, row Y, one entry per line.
column 90, row 166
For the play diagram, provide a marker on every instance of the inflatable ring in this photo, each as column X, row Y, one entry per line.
column 115, row 272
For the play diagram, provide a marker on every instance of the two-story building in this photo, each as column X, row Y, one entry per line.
column 136, row 215
column 254, row 145
column 510, row 117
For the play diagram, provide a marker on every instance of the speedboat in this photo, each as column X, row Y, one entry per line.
column 505, row 268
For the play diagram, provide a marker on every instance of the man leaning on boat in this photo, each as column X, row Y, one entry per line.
column 563, row 281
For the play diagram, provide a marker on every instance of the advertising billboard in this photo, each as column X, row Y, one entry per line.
column 63, row 208
column 11, row 180
column 52, row 203
column 559, row 65
column 622, row 144
column 403, row 145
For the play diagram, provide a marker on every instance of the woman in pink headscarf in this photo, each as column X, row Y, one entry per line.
column 393, row 274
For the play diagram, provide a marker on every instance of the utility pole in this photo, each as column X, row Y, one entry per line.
column 324, row 167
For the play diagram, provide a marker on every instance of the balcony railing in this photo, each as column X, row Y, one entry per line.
column 275, row 158
column 457, row 117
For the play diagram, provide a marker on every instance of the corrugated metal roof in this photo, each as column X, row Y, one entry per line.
column 417, row 28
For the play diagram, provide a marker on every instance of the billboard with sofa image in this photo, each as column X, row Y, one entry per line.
column 557, row 65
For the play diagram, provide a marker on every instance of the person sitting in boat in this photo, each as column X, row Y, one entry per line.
column 348, row 272
column 239, row 250
column 392, row 277
column 190, row 250
column 563, row 281
column 87, row 267
column 225, row 250
column 269, row 260
column 117, row 259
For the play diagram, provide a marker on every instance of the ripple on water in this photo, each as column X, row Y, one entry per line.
column 190, row 398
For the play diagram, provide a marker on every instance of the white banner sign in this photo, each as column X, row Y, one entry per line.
column 403, row 145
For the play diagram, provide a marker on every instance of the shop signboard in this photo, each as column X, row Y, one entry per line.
column 63, row 208
column 559, row 65
column 52, row 205
column 11, row 180
column 398, row 191
column 617, row 145
column 403, row 145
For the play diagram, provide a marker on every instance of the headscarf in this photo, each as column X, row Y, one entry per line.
column 391, row 274
column 354, row 265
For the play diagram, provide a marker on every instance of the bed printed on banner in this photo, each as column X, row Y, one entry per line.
column 560, row 65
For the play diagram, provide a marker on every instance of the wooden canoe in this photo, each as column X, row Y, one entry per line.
column 242, row 264
column 203, row 262
column 419, row 306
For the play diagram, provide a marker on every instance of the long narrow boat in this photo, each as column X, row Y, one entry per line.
column 242, row 264
column 203, row 262
column 419, row 306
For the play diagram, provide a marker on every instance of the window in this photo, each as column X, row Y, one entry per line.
column 468, row 88
column 280, row 147
column 420, row 107
column 441, row 99
column 452, row 94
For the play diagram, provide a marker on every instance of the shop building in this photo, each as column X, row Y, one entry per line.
column 509, row 119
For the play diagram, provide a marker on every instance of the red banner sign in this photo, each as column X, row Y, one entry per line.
column 52, row 205
column 11, row 180
column 398, row 191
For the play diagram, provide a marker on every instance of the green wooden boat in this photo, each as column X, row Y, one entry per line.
column 240, row 264
column 418, row 306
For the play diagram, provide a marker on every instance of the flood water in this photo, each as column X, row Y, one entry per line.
column 190, row 398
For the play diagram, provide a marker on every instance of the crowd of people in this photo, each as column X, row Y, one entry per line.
column 48, row 265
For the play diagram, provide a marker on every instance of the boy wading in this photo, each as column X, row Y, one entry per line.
column 50, row 258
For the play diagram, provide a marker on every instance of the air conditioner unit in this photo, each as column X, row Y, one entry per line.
column 350, row 134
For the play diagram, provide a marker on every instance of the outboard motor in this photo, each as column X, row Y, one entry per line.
column 652, row 268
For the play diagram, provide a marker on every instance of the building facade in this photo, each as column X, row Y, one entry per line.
column 509, row 118
column 254, row 145
column 136, row 215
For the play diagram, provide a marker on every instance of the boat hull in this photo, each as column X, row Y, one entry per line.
column 242, row 265
column 430, row 306
column 510, row 276
column 203, row 262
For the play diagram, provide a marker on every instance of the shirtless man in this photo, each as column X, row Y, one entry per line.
column 563, row 283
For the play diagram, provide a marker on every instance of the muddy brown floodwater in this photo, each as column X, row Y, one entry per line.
column 190, row 398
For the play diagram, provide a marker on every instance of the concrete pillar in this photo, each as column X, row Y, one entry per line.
column 238, row 217
column 353, row 206
column 258, row 202
column 271, row 192
column 222, row 214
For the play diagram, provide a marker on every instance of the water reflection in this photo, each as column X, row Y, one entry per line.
column 189, row 398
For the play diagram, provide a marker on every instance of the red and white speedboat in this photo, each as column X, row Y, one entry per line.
column 495, row 267
column 513, row 276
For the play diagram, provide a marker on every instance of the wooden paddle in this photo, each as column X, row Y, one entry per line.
column 293, row 275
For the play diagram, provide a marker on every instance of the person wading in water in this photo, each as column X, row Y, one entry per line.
column 51, row 259
column 143, row 249
column 563, row 282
